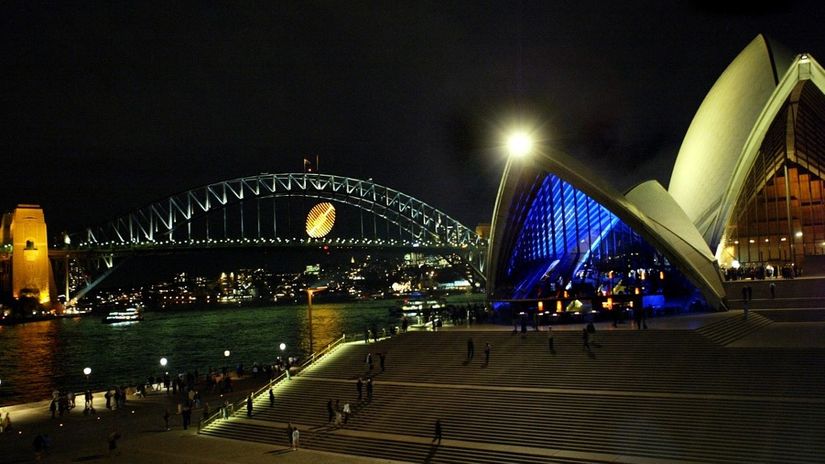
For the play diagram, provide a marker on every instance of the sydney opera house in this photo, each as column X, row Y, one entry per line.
column 745, row 198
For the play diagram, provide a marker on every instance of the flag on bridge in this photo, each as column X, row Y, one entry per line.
column 309, row 167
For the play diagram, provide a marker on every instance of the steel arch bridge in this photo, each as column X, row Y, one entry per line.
column 169, row 223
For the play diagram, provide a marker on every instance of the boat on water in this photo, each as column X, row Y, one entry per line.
column 123, row 316
column 419, row 307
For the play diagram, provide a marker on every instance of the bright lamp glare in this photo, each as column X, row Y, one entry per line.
column 519, row 144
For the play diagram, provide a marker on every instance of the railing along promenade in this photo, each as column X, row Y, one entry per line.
column 226, row 411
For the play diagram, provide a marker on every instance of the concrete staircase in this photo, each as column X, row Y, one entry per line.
column 801, row 293
column 641, row 396
column 733, row 328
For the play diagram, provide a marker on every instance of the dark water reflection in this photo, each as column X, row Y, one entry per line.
column 38, row 357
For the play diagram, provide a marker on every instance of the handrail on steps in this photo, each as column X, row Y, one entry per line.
column 230, row 409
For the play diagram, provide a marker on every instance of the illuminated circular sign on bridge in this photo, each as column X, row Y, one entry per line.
column 320, row 220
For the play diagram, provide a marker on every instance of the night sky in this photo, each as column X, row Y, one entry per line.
column 106, row 108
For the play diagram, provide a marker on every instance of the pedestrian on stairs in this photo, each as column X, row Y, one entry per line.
column 773, row 290
column 360, row 386
column 487, row 353
column 471, row 349
column 347, row 412
column 382, row 357
column 271, row 397
column 550, row 339
column 437, row 433
column 296, row 438
column 369, row 388
column 585, row 339
column 330, row 411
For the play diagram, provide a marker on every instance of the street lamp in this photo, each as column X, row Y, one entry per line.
column 87, row 371
column 282, row 346
column 519, row 144
column 163, row 362
column 226, row 353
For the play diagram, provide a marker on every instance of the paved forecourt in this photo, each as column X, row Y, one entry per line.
column 700, row 388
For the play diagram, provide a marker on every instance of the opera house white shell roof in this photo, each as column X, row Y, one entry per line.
column 687, row 221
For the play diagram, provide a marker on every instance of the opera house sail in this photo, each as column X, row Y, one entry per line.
column 747, row 191
column 749, row 172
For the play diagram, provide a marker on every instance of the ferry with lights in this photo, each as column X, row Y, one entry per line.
column 122, row 316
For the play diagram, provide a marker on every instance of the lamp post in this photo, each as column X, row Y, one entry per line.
column 87, row 371
column 163, row 362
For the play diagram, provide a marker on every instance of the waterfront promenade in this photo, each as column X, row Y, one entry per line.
column 700, row 388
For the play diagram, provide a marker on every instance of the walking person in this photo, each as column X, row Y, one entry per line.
column 773, row 290
column 296, row 438
column 289, row 435
column 6, row 422
column 330, row 411
column 186, row 414
column 550, row 346
column 113, row 438
column 369, row 389
column 166, row 419
column 249, row 405
column 437, row 432
column 487, row 353
column 271, row 398
column 347, row 412
column 585, row 340
column 471, row 349
column 382, row 357
column 591, row 330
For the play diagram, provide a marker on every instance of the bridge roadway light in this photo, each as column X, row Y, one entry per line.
column 519, row 144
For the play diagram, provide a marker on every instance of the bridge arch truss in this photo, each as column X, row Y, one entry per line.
column 172, row 219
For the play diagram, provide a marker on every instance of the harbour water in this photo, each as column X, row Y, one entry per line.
column 39, row 357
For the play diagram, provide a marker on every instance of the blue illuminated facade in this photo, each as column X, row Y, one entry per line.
column 567, row 245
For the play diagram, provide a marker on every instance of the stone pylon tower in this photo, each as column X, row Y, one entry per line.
column 25, row 244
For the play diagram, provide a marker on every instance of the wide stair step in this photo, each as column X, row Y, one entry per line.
column 664, row 396
column 733, row 328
